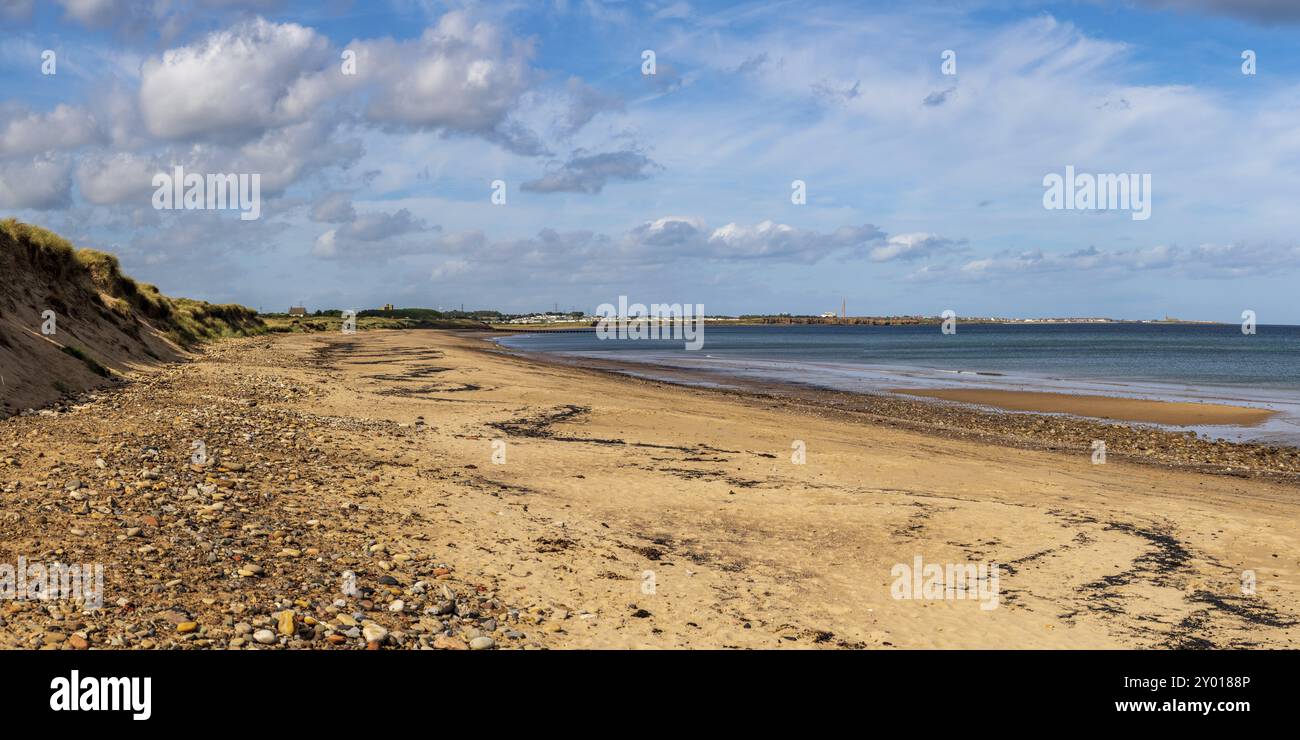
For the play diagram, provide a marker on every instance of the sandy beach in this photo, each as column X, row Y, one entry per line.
column 544, row 505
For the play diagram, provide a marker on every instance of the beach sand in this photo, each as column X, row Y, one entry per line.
column 626, row 513
column 1175, row 413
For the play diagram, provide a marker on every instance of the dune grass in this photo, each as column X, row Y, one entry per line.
column 186, row 322
column 89, row 361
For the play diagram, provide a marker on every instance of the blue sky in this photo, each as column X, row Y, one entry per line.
column 924, row 190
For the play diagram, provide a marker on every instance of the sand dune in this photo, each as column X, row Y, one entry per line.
column 70, row 320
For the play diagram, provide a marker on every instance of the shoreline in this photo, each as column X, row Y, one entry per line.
column 1131, row 440
column 374, row 455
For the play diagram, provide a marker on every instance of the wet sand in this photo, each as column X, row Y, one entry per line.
column 1173, row 413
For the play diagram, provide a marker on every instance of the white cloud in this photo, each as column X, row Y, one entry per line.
column 284, row 156
column 460, row 76
column 375, row 234
column 236, row 83
column 118, row 178
column 28, row 132
column 42, row 183
column 910, row 247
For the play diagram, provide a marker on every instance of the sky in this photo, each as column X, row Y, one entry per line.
column 520, row 157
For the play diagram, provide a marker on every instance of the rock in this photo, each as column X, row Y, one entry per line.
column 482, row 643
column 374, row 632
column 187, row 627
column 443, row 642
column 249, row 570
column 77, row 642
column 266, row 637
column 285, row 623
column 397, row 606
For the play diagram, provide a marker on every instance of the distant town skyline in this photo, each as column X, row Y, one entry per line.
column 781, row 157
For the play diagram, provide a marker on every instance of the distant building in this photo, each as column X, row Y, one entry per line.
column 828, row 314
column 544, row 318
column 388, row 307
column 297, row 311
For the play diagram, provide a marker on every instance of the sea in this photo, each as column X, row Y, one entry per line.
column 1162, row 361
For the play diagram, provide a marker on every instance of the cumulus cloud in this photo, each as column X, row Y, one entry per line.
column 372, row 234
column 766, row 240
column 670, row 231
column 913, row 246
column 118, row 178
column 459, row 76
column 652, row 241
column 27, row 132
column 285, row 155
column 589, row 173
column 770, row 240
column 236, row 83
column 42, row 183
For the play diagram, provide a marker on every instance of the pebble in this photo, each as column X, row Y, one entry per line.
column 443, row 642
column 196, row 532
